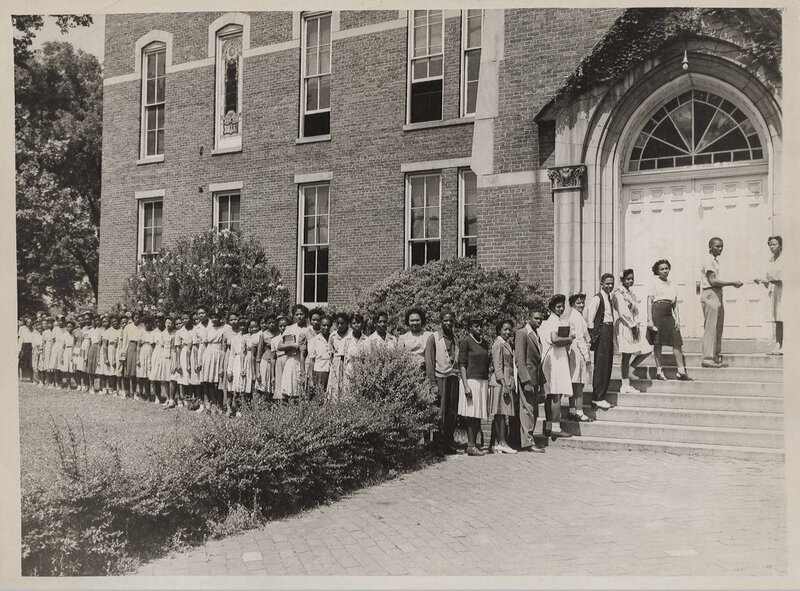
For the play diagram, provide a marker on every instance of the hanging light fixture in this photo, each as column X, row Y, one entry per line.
column 685, row 62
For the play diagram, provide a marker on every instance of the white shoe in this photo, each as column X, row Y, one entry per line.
column 136, row 397
column 628, row 389
column 504, row 449
column 601, row 404
column 201, row 409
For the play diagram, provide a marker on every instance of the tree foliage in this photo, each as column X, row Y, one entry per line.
column 58, row 118
column 226, row 266
column 26, row 26
column 642, row 32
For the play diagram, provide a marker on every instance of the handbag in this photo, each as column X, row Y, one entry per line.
column 651, row 335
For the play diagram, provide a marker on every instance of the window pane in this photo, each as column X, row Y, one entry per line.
column 434, row 16
column 419, row 69
column 317, row 124
column 417, row 184
column 474, row 30
column 147, row 245
column 151, row 65
column 324, row 93
column 436, row 39
column 472, row 97
column 471, row 220
column 160, row 89
column 151, row 117
column 312, row 92
column 322, row 288
column 160, row 141
column 325, row 61
column 235, row 203
column 420, row 41
column 310, row 194
column 418, row 253
column 719, row 126
column 432, row 251
column 222, row 208
column 322, row 259
column 325, row 30
column 151, row 92
column 322, row 199
column 426, row 101
column 232, row 86
column 161, row 63
column 151, row 143
column 312, row 32
column 417, row 223
column 432, row 223
column 308, row 288
column 473, row 64
column 235, row 226
column 309, row 260
column 148, row 215
column 159, row 117
column 158, row 207
column 432, row 189
column 157, row 239
column 471, row 247
column 309, row 223
column 311, row 61
column 435, row 66
column 322, row 229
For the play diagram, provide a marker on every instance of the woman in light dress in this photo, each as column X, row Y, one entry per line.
column 168, row 362
column 264, row 382
column 502, row 387
column 156, row 361
column 183, row 368
column 580, row 358
column 773, row 281
column 66, row 365
column 278, row 358
column 44, row 359
column 212, row 362
column 294, row 343
column 144, row 361
column 59, row 336
column 235, row 368
column 628, row 329
column 253, row 337
column 109, row 346
column 555, row 363
column 82, row 352
column 337, row 343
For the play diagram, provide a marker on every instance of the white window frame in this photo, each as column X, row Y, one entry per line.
column 301, row 206
column 142, row 203
column 227, row 193
column 305, row 17
column 410, row 63
column 233, row 141
column 462, row 202
column 408, row 240
column 154, row 47
column 464, row 51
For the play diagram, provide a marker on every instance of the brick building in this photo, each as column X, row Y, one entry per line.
column 355, row 143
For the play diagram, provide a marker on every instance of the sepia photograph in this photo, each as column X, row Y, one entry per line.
column 291, row 284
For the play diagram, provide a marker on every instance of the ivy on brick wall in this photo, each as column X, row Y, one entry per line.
column 641, row 32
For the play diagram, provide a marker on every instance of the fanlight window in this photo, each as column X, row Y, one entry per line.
column 697, row 127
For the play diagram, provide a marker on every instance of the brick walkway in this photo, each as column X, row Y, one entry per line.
column 566, row 512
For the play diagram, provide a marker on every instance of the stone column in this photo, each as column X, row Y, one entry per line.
column 567, row 182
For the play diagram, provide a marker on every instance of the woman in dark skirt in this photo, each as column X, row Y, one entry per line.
column 26, row 349
column 663, row 319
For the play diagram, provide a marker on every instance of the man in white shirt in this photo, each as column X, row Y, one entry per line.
column 713, row 305
column 600, row 322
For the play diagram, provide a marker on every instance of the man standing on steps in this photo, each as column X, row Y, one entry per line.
column 600, row 321
column 713, row 305
column 530, row 375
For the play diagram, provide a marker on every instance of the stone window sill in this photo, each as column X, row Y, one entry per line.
column 434, row 124
column 150, row 160
column 229, row 150
column 313, row 139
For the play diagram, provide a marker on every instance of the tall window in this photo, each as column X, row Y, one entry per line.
column 471, row 38
column 314, row 203
column 151, row 226
column 315, row 116
column 468, row 194
column 226, row 211
column 426, row 32
column 228, row 125
column 153, row 99
column 423, row 206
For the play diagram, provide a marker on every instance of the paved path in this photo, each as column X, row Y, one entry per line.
column 566, row 512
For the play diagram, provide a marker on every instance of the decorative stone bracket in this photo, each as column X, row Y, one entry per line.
column 567, row 177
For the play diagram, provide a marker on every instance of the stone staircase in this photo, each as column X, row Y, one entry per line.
column 734, row 411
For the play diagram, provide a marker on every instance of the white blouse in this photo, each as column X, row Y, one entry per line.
column 663, row 290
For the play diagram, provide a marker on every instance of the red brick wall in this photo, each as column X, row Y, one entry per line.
column 368, row 94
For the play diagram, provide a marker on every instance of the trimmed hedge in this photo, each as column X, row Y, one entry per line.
column 101, row 518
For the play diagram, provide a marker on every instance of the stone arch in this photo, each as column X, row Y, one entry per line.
column 145, row 40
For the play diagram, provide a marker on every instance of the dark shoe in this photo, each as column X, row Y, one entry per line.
column 533, row 448
column 710, row 364
column 684, row 377
column 474, row 451
column 560, row 434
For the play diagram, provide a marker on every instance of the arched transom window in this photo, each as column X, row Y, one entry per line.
column 697, row 127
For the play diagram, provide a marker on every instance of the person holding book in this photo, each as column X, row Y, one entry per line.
column 294, row 343
column 555, row 337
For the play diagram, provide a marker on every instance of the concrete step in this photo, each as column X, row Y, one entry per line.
column 732, row 360
column 723, row 374
column 693, row 345
column 678, row 433
column 694, row 418
column 773, row 404
column 704, row 449
column 727, row 388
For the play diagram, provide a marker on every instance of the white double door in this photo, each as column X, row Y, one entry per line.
column 674, row 220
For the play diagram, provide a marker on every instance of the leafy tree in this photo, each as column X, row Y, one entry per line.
column 58, row 119
column 26, row 26
column 226, row 266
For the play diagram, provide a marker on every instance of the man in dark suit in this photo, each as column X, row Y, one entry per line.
column 600, row 321
column 528, row 359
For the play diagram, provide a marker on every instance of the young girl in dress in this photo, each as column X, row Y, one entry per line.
column 168, row 361
column 111, row 354
column 129, row 349
column 93, row 356
column 156, row 361
column 44, row 360
column 264, row 355
column 66, row 365
column 194, row 375
column 212, row 362
column 253, row 337
column 144, row 360
column 278, row 358
column 82, row 352
column 183, row 368
column 198, row 347
column 235, row 367
column 57, row 352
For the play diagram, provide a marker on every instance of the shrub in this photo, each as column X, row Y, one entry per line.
column 230, row 267
column 460, row 285
column 100, row 515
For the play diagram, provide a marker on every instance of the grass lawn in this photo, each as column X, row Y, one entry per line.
column 135, row 427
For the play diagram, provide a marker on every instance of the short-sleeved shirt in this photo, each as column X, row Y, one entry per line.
column 710, row 263
column 320, row 352
column 663, row 290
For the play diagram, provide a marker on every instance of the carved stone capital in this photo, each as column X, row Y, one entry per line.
column 567, row 177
